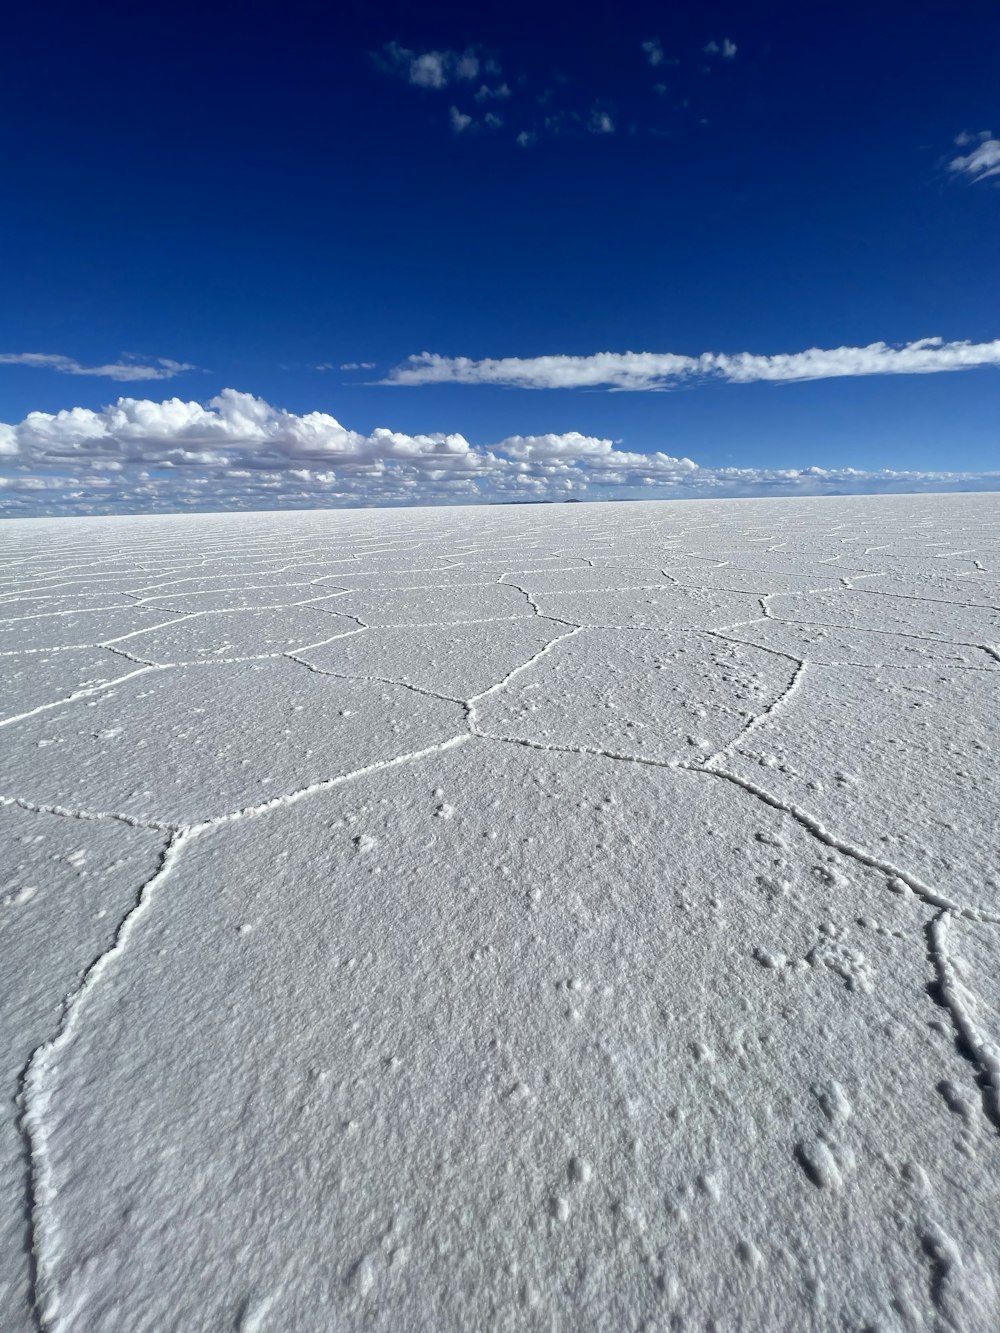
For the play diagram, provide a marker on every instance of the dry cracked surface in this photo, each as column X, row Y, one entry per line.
column 536, row 917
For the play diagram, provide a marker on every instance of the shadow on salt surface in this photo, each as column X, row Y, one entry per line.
column 65, row 889
column 504, row 1038
column 189, row 743
column 664, row 697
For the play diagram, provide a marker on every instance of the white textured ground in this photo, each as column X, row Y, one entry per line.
column 559, row 918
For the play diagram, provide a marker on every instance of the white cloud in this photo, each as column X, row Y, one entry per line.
column 727, row 49
column 239, row 452
column 654, row 51
column 126, row 370
column 984, row 159
column 486, row 94
column 663, row 370
column 600, row 122
column 527, row 138
column 458, row 119
column 493, row 121
column 352, row 365
column 433, row 69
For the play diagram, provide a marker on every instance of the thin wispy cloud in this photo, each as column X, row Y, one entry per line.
column 352, row 365
column 239, row 451
column 126, row 370
column 665, row 370
column 984, row 159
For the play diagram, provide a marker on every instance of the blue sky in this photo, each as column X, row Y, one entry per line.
column 196, row 202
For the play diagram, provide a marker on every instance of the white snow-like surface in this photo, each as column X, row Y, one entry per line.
column 532, row 917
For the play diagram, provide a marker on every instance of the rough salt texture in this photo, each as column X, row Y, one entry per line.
column 566, row 917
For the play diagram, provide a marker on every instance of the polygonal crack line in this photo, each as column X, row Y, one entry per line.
column 745, row 592
column 312, row 602
column 584, row 592
column 766, row 713
column 373, row 680
column 596, row 752
column 33, row 1098
column 433, row 624
column 91, row 816
column 970, row 1041
column 912, row 597
column 865, row 629
column 84, row 692
column 129, row 657
column 408, row 587
column 52, row 615
column 745, row 643
column 521, row 667
column 861, row 666
column 551, row 569
column 818, row 830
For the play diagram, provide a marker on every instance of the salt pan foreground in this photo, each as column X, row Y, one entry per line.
column 547, row 918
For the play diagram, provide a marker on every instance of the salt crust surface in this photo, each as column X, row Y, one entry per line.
column 531, row 917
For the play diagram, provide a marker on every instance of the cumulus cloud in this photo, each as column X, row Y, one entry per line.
column 984, row 159
column 600, row 122
column 726, row 49
column 459, row 120
column 654, row 51
column 433, row 69
column 240, row 452
column 486, row 94
column 127, row 369
column 664, row 370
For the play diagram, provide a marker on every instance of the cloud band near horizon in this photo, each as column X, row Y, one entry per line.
column 240, row 452
column 652, row 371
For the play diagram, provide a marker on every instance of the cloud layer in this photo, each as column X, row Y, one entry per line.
column 665, row 370
column 239, row 452
column 126, row 370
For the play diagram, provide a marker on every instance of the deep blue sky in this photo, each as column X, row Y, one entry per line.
column 245, row 189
